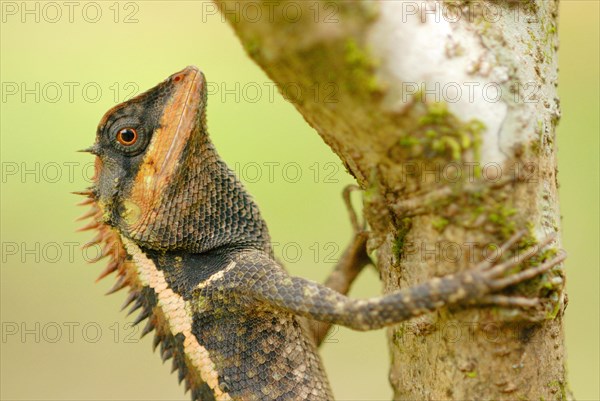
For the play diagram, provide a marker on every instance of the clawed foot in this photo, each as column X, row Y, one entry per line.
column 499, row 276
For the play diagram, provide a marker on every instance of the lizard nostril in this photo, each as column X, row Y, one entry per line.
column 177, row 78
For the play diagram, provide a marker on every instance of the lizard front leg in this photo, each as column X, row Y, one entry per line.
column 261, row 279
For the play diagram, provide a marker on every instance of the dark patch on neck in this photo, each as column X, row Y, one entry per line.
column 184, row 271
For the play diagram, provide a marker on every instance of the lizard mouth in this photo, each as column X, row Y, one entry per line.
column 178, row 123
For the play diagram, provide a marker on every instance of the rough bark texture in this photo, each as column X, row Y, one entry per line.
column 445, row 112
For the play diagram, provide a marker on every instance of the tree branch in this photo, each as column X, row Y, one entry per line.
column 445, row 112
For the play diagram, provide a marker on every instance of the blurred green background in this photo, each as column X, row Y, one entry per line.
column 62, row 339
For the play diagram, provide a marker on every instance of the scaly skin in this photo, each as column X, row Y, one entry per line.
column 189, row 242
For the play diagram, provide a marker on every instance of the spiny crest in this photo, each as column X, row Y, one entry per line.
column 107, row 240
column 139, row 297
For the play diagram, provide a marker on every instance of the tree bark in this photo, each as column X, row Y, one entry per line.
column 445, row 113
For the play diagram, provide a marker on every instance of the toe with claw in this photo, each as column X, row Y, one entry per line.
column 500, row 275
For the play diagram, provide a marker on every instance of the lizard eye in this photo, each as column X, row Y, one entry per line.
column 127, row 136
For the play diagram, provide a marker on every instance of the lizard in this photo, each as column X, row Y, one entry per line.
column 189, row 243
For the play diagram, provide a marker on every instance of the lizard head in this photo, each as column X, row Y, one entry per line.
column 159, row 180
column 139, row 148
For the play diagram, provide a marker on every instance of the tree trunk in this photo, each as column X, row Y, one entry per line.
column 445, row 113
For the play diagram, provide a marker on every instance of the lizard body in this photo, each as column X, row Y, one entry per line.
column 190, row 244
